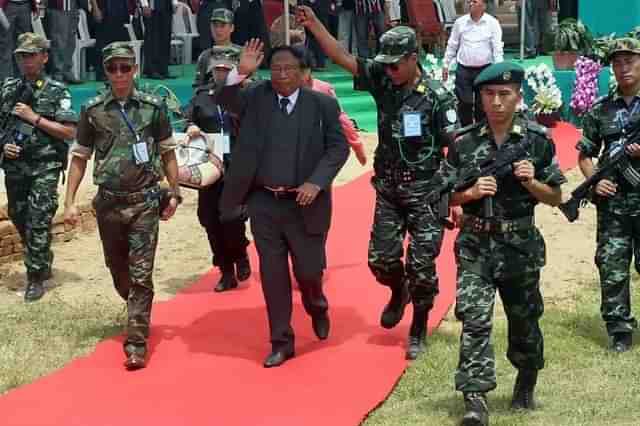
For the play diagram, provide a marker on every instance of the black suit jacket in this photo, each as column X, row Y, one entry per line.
column 322, row 151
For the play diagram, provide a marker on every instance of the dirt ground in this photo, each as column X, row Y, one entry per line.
column 80, row 273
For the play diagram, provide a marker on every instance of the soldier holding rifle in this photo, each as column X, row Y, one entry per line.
column 504, row 252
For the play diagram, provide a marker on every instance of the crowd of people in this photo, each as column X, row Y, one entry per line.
column 284, row 141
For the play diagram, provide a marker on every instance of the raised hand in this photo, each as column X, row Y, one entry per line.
column 251, row 57
column 305, row 16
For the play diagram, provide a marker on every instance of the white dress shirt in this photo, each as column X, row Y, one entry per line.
column 292, row 100
column 475, row 44
column 234, row 77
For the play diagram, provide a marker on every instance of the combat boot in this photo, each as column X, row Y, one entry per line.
column 523, row 398
column 243, row 268
column 228, row 280
column 476, row 409
column 393, row 312
column 621, row 342
column 34, row 291
column 417, row 333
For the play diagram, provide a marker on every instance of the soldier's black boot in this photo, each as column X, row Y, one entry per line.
column 621, row 342
column 243, row 269
column 35, row 290
column 523, row 398
column 476, row 409
column 394, row 310
column 417, row 333
column 228, row 280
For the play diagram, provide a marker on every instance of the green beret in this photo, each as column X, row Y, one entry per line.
column 118, row 49
column 396, row 43
column 31, row 43
column 222, row 15
column 625, row 44
column 500, row 73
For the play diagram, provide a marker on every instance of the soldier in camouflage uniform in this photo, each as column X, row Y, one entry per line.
column 130, row 134
column 618, row 202
column 221, row 28
column 504, row 252
column 37, row 117
column 416, row 117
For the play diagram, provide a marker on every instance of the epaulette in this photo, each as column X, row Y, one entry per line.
column 466, row 129
column 154, row 100
column 94, row 101
column 56, row 83
column 601, row 99
column 10, row 81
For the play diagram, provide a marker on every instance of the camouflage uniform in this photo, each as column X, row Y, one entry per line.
column 127, row 203
column 203, row 66
column 403, row 169
column 507, row 257
column 32, row 179
column 618, row 236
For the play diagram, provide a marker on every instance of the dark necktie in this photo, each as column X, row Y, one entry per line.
column 284, row 103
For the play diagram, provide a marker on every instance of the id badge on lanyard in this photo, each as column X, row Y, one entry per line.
column 138, row 149
column 224, row 136
column 411, row 124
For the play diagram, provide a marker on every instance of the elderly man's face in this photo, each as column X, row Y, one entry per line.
column 32, row 64
column 286, row 74
column 626, row 67
column 477, row 6
column 120, row 72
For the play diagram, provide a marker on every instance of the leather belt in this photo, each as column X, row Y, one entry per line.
column 281, row 192
column 477, row 224
column 130, row 197
column 406, row 175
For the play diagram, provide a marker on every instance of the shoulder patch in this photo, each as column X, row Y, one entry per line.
column 154, row 100
column 94, row 101
column 56, row 83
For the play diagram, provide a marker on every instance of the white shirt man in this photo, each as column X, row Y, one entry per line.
column 474, row 44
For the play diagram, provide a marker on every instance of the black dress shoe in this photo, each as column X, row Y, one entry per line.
column 228, row 280
column 621, row 342
column 523, row 390
column 321, row 325
column 277, row 358
column 243, row 269
column 34, row 291
column 393, row 312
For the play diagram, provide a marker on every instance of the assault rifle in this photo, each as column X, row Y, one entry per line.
column 616, row 159
column 498, row 166
column 13, row 129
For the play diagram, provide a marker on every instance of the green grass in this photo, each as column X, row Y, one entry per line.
column 582, row 383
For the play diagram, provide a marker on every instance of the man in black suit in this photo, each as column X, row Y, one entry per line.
column 158, row 19
column 290, row 148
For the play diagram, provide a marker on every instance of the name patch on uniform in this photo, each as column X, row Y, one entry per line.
column 140, row 153
column 452, row 117
column 412, row 124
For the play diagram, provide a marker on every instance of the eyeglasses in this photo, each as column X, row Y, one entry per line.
column 122, row 68
column 287, row 69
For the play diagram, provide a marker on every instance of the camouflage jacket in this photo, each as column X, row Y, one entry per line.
column 509, row 253
column 41, row 151
column 102, row 129
column 437, row 108
column 203, row 64
column 601, row 129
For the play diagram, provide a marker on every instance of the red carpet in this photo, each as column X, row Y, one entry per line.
column 207, row 350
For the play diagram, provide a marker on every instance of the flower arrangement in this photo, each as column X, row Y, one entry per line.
column 586, row 89
column 548, row 97
column 433, row 69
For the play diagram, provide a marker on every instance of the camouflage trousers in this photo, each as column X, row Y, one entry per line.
column 523, row 305
column 129, row 234
column 33, row 202
column 618, row 242
column 399, row 210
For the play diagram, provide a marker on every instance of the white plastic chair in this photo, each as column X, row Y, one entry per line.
column 184, row 31
column 38, row 28
column 83, row 42
column 135, row 43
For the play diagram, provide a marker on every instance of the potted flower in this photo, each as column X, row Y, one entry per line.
column 548, row 97
column 586, row 88
column 571, row 39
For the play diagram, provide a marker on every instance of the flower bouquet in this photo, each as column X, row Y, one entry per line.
column 547, row 100
column 433, row 69
column 586, row 89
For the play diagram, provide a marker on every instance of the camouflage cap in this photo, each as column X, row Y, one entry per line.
column 396, row 43
column 222, row 15
column 118, row 49
column 500, row 73
column 223, row 56
column 625, row 44
column 31, row 43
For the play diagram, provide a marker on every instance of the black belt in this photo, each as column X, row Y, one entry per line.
column 130, row 197
column 405, row 175
column 281, row 193
column 477, row 224
column 481, row 67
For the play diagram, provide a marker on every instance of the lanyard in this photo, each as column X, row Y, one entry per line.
column 125, row 117
column 221, row 116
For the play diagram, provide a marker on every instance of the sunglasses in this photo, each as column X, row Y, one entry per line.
column 122, row 68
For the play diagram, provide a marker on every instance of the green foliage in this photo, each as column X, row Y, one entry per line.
column 573, row 36
column 601, row 47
